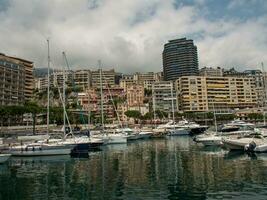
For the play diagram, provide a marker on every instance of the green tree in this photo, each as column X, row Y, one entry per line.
column 148, row 116
column 133, row 114
column 255, row 116
column 161, row 114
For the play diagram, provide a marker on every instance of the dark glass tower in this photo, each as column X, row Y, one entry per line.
column 179, row 59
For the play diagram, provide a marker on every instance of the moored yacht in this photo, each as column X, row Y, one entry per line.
column 242, row 142
column 213, row 136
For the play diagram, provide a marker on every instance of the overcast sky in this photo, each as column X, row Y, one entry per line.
column 129, row 34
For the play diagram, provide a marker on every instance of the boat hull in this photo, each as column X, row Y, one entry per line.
column 144, row 135
column 4, row 157
column 198, row 130
column 178, row 132
column 42, row 151
column 112, row 139
column 132, row 137
column 235, row 144
column 116, row 139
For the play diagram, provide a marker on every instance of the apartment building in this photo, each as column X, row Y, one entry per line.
column 108, row 78
column 126, row 80
column 209, row 71
column 222, row 94
column 90, row 100
column 82, row 78
column 16, row 80
column 135, row 94
column 164, row 96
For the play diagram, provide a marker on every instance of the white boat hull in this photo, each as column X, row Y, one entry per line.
column 117, row 139
column 144, row 135
column 261, row 148
column 237, row 144
column 41, row 150
column 132, row 137
column 4, row 157
column 113, row 138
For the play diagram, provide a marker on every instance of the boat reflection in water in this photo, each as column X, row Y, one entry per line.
column 173, row 168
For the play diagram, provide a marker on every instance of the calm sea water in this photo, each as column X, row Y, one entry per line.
column 173, row 168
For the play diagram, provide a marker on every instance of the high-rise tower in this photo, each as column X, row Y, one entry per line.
column 179, row 59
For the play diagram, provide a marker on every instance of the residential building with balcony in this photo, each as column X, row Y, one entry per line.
column 16, row 80
column 220, row 94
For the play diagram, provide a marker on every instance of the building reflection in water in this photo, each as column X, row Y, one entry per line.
column 173, row 168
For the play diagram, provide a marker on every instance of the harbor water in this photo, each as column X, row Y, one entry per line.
column 171, row 168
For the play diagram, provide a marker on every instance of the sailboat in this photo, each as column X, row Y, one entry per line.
column 81, row 144
column 42, row 148
column 109, row 138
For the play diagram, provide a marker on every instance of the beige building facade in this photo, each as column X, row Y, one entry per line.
column 108, row 78
column 135, row 94
column 222, row 94
column 16, row 80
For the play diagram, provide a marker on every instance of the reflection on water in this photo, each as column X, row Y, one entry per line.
column 173, row 168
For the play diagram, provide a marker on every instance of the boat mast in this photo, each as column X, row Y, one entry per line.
column 48, row 84
column 66, row 118
column 154, row 105
column 264, row 93
column 89, row 110
column 64, row 98
column 101, row 93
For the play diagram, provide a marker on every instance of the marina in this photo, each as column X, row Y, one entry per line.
column 133, row 100
column 167, row 168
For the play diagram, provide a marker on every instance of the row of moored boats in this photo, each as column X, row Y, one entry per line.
column 47, row 145
column 236, row 135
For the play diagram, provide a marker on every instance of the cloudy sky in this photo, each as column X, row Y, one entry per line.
column 129, row 34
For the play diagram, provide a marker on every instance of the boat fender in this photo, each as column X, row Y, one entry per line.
column 250, row 147
column 33, row 149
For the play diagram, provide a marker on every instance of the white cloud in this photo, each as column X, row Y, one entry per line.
column 128, row 35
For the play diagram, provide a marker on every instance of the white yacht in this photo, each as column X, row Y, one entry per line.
column 241, row 143
column 183, row 127
column 173, row 129
column 238, row 122
column 214, row 136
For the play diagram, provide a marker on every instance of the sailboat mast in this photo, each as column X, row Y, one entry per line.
column 89, row 110
column 48, row 84
column 101, row 93
column 64, row 98
column 154, row 105
column 264, row 93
